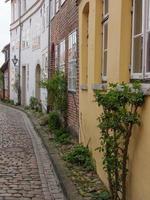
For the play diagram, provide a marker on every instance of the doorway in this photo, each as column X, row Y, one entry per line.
column 24, row 85
column 37, row 82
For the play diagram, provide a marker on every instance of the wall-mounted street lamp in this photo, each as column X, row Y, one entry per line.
column 15, row 61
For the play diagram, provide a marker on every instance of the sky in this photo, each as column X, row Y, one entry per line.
column 4, row 26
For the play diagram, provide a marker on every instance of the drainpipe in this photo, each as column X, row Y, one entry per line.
column 19, row 65
column 49, row 54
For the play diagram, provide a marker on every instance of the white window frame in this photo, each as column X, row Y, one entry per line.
column 52, row 9
column 62, row 2
column 62, row 50
column 104, row 22
column 143, row 74
column 27, row 38
column 56, row 57
column 43, row 23
column 73, row 62
column 147, row 74
column 56, row 6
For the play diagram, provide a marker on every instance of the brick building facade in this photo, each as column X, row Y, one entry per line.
column 64, row 52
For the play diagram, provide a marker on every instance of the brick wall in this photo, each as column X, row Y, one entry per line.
column 64, row 22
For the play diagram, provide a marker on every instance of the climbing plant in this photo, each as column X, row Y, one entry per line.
column 120, row 114
column 57, row 89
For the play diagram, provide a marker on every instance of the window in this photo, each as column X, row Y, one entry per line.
column 85, row 43
column 36, row 37
column 62, row 1
column 43, row 23
column 13, row 11
column 62, row 56
column 56, row 57
column 140, row 64
column 45, row 66
column 26, row 39
column 28, row 77
column 56, row 5
column 47, row 16
column 105, row 40
column 72, row 61
column 18, row 3
column 24, row 6
column 52, row 8
column 6, row 80
column 23, row 40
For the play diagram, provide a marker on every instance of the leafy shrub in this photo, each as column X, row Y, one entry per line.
column 62, row 136
column 57, row 92
column 103, row 196
column 27, row 107
column 80, row 156
column 11, row 102
column 54, row 121
column 35, row 104
column 120, row 115
column 44, row 120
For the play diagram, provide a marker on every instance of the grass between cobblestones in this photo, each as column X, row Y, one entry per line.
column 78, row 182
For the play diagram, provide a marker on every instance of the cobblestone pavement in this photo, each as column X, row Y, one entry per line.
column 26, row 173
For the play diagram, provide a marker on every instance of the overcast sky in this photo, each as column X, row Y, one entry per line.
column 4, row 26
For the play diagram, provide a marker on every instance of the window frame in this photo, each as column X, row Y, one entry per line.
column 57, row 3
column 145, row 12
column 57, row 57
column 62, row 2
column 63, row 64
column 73, row 61
column 105, row 21
column 52, row 14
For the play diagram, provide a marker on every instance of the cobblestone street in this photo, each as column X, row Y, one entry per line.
column 26, row 172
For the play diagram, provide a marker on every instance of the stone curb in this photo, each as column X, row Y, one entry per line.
column 61, row 170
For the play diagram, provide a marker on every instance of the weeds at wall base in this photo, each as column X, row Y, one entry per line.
column 86, row 181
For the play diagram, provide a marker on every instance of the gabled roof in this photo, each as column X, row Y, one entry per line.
column 5, row 66
column 6, row 47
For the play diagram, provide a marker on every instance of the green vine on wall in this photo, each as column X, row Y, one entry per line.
column 120, row 114
column 57, row 89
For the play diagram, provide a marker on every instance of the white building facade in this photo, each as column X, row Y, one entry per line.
column 29, row 45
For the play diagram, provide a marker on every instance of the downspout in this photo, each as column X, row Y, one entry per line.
column 49, row 55
column 19, row 66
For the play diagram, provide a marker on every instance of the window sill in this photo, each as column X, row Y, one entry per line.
column 99, row 86
column 71, row 91
column 146, row 89
column 84, row 87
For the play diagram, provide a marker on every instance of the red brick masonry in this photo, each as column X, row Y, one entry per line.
column 63, row 23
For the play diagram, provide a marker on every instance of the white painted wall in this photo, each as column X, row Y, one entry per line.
column 31, row 53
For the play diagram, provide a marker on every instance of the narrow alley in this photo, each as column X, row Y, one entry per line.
column 26, row 172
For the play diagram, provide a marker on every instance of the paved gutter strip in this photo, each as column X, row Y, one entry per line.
column 62, row 172
column 47, row 173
